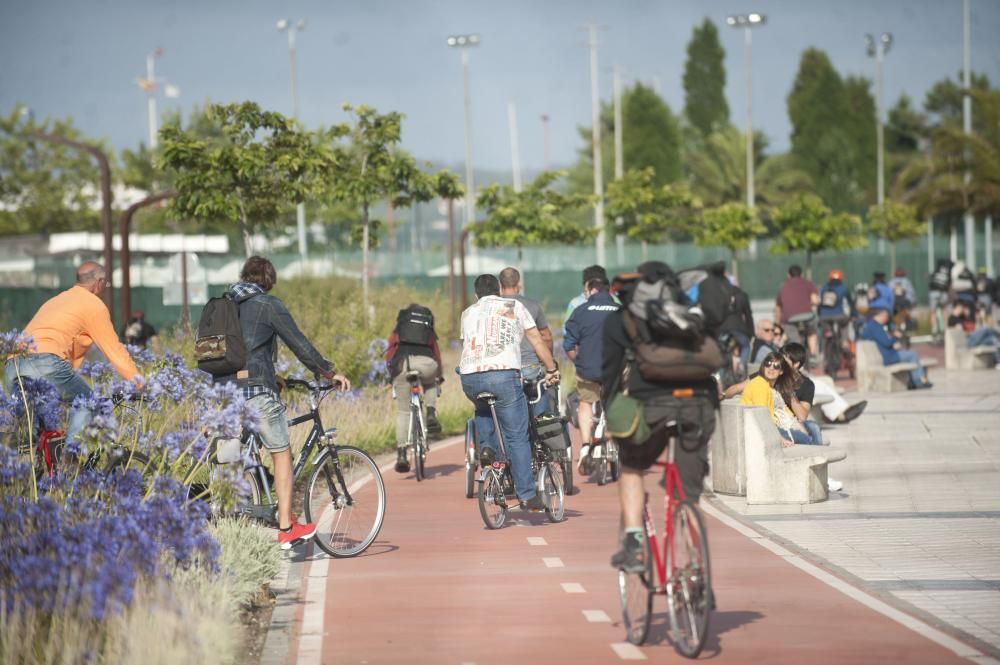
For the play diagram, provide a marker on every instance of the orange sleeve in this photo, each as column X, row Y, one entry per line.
column 103, row 333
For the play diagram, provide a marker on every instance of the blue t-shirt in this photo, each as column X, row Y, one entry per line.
column 883, row 297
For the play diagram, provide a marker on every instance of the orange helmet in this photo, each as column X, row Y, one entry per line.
column 836, row 273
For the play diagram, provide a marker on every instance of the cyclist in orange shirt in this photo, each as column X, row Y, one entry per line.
column 62, row 331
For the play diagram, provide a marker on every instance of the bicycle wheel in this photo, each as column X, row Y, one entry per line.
column 616, row 463
column 566, row 463
column 602, row 471
column 689, row 601
column 550, row 483
column 417, row 433
column 492, row 504
column 470, row 459
column 834, row 357
column 635, row 591
column 345, row 498
column 116, row 460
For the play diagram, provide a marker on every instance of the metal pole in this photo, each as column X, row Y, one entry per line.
column 970, row 222
column 751, row 198
column 545, row 141
column 451, row 265
column 988, row 245
column 930, row 245
column 595, row 117
column 470, row 188
column 515, row 152
column 300, row 210
column 619, row 158
column 879, row 131
column 151, row 99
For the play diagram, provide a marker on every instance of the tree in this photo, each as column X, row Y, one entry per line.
column 860, row 125
column 892, row 222
column 45, row 187
column 806, row 224
column 262, row 164
column 705, row 80
column 649, row 211
column 822, row 144
column 944, row 100
column 537, row 215
column 731, row 225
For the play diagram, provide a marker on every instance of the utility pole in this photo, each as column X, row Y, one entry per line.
column 464, row 43
column 970, row 222
column 151, row 96
column 877, row 49
column 595, row 117
column 515, row 151
column 284, row 25
column 619, row 158
column 546, row 154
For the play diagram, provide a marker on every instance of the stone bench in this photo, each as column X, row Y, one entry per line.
column 874, row 376
column 749, row 460
column 958, row 354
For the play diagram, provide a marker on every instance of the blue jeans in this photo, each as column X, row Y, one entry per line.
column 512, row 414
column 536, row 373
column 814, row 431
column 910, row 356
column 800, row 437
column 984, row 336
column 60, row 374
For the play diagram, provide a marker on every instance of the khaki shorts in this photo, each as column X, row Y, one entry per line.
column 590, row 391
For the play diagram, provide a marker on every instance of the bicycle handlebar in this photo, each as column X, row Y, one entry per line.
column 538, row 386
column 309, row 385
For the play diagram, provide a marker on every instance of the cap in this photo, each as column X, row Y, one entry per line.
column 836, row 273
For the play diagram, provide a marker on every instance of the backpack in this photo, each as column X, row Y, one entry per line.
column 828, row 298
column 219, row 347
column 668, row 334
column 715, row 297
column 415, row 325
column 861, row 301
column 940, row 279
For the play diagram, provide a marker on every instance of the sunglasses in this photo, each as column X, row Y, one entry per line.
column 773, row 364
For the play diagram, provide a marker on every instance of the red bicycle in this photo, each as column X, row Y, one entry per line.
column 681, row 571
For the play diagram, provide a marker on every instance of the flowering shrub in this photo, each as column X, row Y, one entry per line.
column 378, row 370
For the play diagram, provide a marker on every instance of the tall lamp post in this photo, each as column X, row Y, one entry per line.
column 970, row 222
column 284, row 25
column 464, row 43
column 149, row 85
column 877, row 48
column 595, row 139
column 746, row 22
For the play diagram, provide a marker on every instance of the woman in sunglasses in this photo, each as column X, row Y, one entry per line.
column 774, row 387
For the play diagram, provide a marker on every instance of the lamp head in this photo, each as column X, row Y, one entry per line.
column 282, row 24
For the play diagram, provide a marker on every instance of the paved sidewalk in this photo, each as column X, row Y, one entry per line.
column 918, row 521
column 437, row 587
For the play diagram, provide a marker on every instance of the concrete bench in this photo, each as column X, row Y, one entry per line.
column 749, row 460
column 958, row 354
column 874, row 376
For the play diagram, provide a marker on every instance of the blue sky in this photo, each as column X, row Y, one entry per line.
column 82, row 58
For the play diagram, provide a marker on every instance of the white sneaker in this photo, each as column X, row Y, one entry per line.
column 584, row 451
column 834, row 485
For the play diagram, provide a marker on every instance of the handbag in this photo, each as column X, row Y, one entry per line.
column 625, row 416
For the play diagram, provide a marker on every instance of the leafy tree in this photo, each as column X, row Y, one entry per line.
column 892, row 222
column 262, row 165
column 822, row 143
column 705, row 80
column 731, row 225
column 860, row 125
column 944, row 100
column 805, row 224
column 537, row 215
column 650, row 211
column 45, row 187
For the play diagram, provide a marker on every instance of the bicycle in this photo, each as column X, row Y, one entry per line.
column 602, row 458
column 344, row 495
column 837, row 353
column 416, row 432
column 496, row 482
column 682, row 572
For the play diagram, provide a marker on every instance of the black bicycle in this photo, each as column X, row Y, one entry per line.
column 344, row 495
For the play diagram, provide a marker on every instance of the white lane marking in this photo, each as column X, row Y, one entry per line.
column 957, row 647
column 553, row 562
column 596, row 616
column 627, row 651
column 535, row 541
column 311, row 640
column 573, row 587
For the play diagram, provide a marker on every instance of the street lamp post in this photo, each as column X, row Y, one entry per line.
column 464, row 43
column 877, row 48
column 747, row 22
column 545, row 141
column 284, row 25
column 149, row 86
column 970, row 222
column 595, row 139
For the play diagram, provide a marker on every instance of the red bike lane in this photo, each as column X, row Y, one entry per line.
column 438, row 587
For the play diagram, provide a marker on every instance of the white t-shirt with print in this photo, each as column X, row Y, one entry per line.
column 491, row 335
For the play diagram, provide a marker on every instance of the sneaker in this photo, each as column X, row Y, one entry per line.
column 486, row 457
column 533, row 505
column 298, row 534
column 834, row 485
column 631, row 557
column 433, row 424
column 402, row 464
column 582, row 465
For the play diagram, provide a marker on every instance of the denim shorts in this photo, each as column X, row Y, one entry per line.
column 272, row 428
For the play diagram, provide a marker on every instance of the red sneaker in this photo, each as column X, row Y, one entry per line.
column 298, row 534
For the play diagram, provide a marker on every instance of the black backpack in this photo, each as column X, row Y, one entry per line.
column 716, row 298
column 415, row 325
column 219, row 348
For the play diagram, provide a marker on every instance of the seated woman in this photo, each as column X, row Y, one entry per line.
column 961, row 315
column 773, row 387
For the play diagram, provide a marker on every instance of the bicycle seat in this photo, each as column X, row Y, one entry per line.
column 413, row 376
column 805, row 317
column 486, row 396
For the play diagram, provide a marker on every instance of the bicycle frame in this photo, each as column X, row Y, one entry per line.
column 673, row 483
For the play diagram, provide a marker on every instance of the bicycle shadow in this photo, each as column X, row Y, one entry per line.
column 302, row 554
column 522, row 518
column 442, row 470
column 720, row 624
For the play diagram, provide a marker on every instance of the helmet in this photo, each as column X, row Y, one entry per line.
column 900, row 272
column 836, row 273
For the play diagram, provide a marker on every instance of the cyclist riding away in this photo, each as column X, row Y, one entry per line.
column 583, row 344
column 264, row 319
column 413, row 347
column 63, row 330
column 492, row 330
column 797, row 296
column 531, row 366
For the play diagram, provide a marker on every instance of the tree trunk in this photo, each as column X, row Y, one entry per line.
column 736, row 264
column 809, row 265
column 245, row 232
column 364, row 261
column 892, row 258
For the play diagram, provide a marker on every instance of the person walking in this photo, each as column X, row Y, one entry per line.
column 62, row 331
